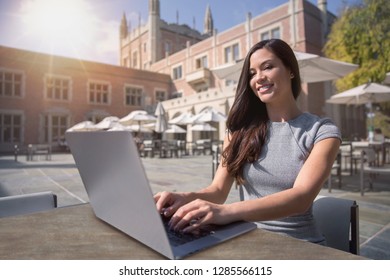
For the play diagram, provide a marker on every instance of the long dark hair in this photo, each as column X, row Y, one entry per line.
column 247, row 120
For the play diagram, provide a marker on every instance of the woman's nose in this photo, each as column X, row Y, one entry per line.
column 259, row 77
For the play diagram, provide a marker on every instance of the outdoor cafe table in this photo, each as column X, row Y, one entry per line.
column 74, row 233
column 378, row 147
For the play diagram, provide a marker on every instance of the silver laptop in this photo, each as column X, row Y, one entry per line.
column 119, row 193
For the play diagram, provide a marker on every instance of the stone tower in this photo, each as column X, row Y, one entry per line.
column 123, row 29
column 154, row 20
column 208, row 27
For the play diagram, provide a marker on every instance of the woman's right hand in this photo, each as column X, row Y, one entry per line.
column 167, row 203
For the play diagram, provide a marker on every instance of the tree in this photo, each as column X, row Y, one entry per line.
column 361, row 35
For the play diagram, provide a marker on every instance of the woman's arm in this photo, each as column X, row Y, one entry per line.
column 217, row 192
column 298, row 199
column 293, row 201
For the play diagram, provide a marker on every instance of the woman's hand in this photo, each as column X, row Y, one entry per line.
column 167, row 203
column 197, row 214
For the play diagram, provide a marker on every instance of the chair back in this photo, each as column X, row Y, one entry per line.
column 338, row 220
column 216, row 154
column 27, row 203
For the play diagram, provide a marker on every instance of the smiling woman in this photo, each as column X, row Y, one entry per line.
column 59, row 23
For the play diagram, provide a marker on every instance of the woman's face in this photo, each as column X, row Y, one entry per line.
column 270, row 80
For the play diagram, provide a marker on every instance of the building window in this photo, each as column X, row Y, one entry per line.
column 125, row 62
column 275, row 33
column 271, row 34
column 232, row 53
column 177, row 94
column 133, row 96
column 10, row 128
column 177, row 73
column 10, row 84
column 135, row 59
column 57, row 88
column 168, row 48
column 98, row 93
column 229, row 82
column 160, row 95
column 96, row 118
column 54, row 128
column 201, row 62
column 264, row 36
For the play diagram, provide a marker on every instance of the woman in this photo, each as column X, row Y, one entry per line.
column 280, row 155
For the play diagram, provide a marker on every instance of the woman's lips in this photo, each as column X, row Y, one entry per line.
column 264, row 88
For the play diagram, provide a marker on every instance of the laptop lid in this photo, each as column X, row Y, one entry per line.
column 119, row 192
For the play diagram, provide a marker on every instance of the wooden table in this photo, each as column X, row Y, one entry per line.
column 74, row 233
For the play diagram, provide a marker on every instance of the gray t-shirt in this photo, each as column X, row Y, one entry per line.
column 287, row 147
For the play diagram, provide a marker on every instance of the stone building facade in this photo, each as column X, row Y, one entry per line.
column 41, row 95
column 195, row 86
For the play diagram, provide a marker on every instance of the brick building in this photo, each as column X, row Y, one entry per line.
column 42, row 95
column 195, row 86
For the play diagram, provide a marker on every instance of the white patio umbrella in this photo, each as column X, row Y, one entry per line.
column 119, row 127
column 83, row 126
column 366, row 93
column 183, row 119
column 137, row 117
column 139, row 128
column 209, row 114
column 107, row 122
column 203, row 127
column 312, row 67
column 161, row 121
column 173, row 128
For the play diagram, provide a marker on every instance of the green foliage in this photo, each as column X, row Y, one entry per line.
column 361, row 35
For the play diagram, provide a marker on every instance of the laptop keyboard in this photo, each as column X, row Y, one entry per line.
column 178, row 238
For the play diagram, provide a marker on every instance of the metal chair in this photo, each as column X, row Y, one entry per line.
column 369, row 170
column 148, row 148
column 335, row 167
column 338, row 219
column 216, row 154
column 27, row 203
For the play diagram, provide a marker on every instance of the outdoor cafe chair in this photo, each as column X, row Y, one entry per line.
column 148, row 148
column 216, row 156
column 338, row 220
column 27, row 203
column 337, row 168
column 346, row 151
column 202, row 146
column 368, row 166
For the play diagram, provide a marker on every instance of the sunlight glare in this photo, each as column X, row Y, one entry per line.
column 60, row 22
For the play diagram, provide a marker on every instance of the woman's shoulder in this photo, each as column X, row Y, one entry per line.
column 317, row 127
column 310, row 120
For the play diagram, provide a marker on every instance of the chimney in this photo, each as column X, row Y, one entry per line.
column 323, row 7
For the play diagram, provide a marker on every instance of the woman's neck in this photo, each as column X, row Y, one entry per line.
column 283, row 113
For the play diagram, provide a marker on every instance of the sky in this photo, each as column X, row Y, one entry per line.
column 89, row 29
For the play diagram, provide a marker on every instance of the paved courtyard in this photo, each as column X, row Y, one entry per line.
column 61, row 176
